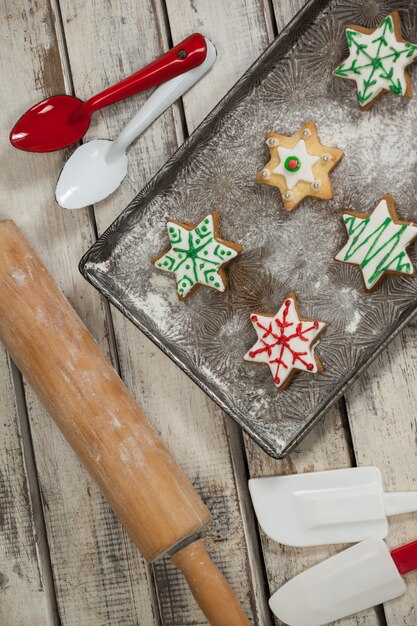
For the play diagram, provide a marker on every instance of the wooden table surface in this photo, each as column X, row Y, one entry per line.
column 64, row 559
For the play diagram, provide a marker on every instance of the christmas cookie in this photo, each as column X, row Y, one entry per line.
column 299, row 166
column 377, row 243
column 377, row 61
column 197, row 255
column 286, row 342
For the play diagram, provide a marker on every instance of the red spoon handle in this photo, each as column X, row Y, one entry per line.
column 405, row 557
column 185, row 56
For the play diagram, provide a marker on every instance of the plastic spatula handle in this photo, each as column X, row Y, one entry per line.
column 187, row 55
column 405, row 557
column 399, row 503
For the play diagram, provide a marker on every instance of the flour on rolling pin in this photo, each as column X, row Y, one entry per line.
column 142, row 482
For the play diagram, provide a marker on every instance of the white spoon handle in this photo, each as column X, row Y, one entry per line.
column 158, row 102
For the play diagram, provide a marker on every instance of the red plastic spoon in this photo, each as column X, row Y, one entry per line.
column 59, row 121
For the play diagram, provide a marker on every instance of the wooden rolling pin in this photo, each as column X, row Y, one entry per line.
column 143, row 484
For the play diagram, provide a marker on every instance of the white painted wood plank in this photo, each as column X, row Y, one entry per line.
column 285, row 11
column 279, row 564
column 368, row 408
column 240, row 31
column 382, row 414
column 21, row 575
column 190, row 424
column 326, row 447
column 98, row 577
column 107, row 213
column 193, row 115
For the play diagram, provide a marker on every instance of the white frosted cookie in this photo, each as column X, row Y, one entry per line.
column 299, row 166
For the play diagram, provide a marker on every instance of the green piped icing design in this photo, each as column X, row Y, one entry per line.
column 377, row 61
column 377, row 244
column 195, row 256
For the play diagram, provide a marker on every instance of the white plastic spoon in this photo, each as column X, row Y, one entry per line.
column 97, row 168
column 337, row 506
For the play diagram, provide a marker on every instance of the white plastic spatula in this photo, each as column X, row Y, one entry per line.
column 358, row 578
column 338, row 506
column 97, row 168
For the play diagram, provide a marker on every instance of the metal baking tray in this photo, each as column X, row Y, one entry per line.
column 208, row 334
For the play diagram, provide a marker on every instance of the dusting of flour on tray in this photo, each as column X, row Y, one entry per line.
column 352, row 325
column 283, row 252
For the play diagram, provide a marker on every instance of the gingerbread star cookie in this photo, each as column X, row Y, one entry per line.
column 377, row 61
column 377, row 243
column 286, row 342
column 197, row 255
column 299, row 166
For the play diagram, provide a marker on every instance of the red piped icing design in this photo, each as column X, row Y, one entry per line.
column 285, row 342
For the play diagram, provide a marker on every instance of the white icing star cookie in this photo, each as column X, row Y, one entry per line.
column 295, row 164
column 286, row 342
column 197, row 255
column 377, row 60
column 299, row 166
column 377, row 243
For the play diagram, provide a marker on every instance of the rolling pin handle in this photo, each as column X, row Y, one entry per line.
column 209, row 587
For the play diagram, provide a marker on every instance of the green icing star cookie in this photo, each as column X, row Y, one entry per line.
column 197, row 255
column 377, row 60
column 378, row 243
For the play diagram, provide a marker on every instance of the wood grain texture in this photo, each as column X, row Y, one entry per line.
column 285, row 11
column 209, row 586
column 150, row 495
column 367, row 407
column 21, row 573
column 190, row 424
column 327, row 447
column 240, row 30
column 382, row 416
column 56, row 353
column 98, row 575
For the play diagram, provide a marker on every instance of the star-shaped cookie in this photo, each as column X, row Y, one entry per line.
column 377, row 60
column 286, row 342
column 377, row 243
column 197, row 255
column 299, row 166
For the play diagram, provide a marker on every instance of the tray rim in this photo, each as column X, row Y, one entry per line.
column 94, row 255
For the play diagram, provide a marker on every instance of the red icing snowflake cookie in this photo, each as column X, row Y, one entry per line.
column 286, row 342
